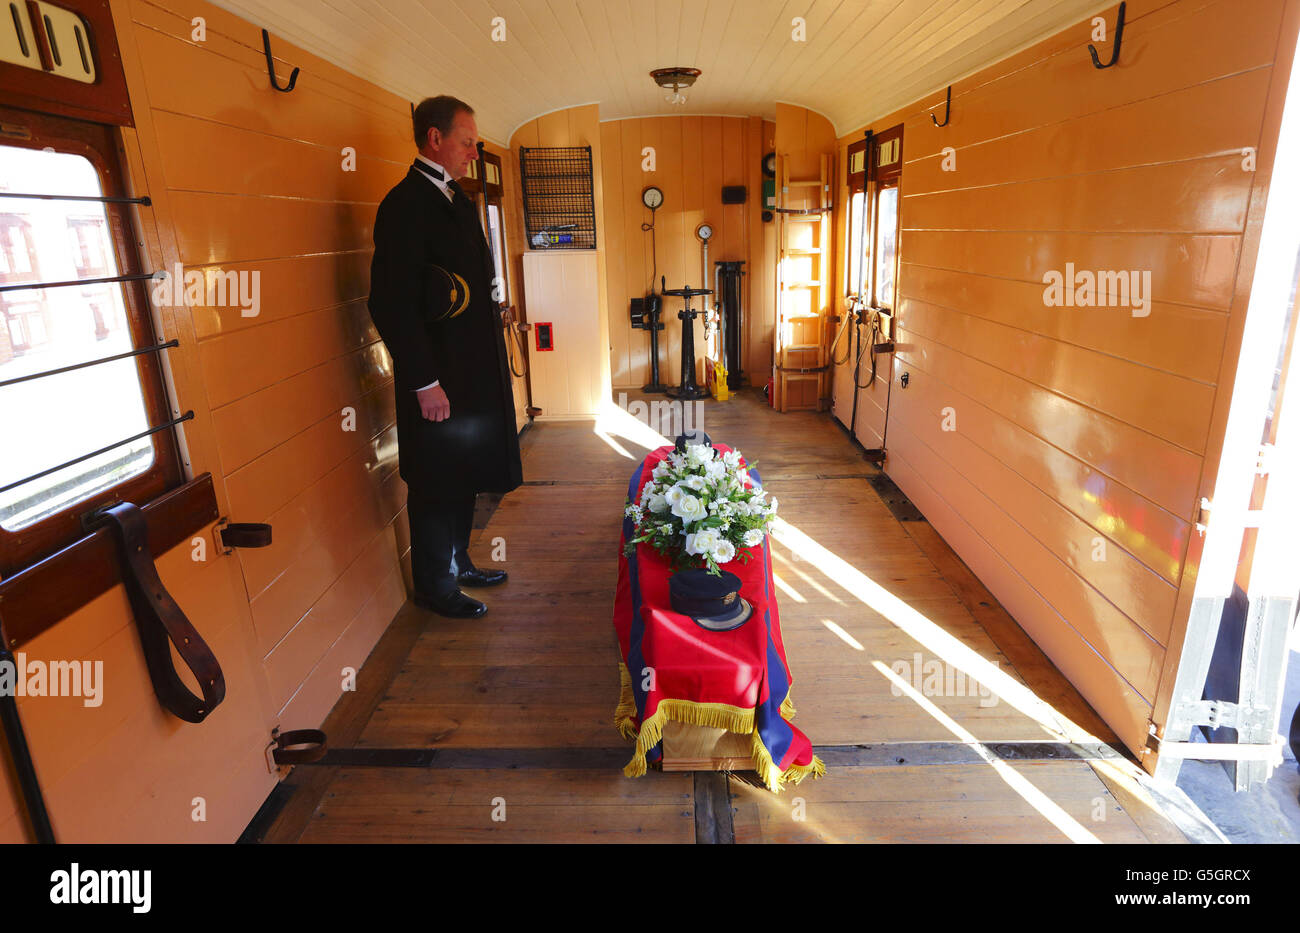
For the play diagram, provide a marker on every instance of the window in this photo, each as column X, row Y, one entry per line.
column 83, row 414
column 492, row 193
column 873, row 217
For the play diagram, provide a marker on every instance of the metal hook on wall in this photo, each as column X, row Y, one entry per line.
column 947, row 110
column 1114, row 52
column 270, row 66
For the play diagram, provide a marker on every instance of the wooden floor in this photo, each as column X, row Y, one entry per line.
column 937, row 717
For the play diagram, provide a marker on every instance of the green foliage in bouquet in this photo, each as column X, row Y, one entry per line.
column 701, row 509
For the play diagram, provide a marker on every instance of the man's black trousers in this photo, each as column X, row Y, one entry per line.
column 440, row 530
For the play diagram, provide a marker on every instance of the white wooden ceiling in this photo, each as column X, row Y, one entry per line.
column 862, row 58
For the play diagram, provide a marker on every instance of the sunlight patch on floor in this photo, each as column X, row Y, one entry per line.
column 1050, row 810
column 929, row 634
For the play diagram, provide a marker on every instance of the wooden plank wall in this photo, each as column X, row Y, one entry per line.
column 244, row 179
column 1083, row 435
column 571, row 126
column 695, row 156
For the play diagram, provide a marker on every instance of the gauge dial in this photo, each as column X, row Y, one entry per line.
column 652, row 197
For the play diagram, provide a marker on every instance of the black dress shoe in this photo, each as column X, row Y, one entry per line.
column 476, row 577
column 455, row 605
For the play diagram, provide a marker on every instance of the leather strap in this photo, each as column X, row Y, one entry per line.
column 312, row 739
column 246, row 534
column 160, row 620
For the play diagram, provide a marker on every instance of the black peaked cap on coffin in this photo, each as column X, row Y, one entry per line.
column 713, row 602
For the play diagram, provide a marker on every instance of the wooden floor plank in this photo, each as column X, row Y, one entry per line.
column 936, row 803
column 415, row 806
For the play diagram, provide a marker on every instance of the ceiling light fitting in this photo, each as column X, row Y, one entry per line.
column 673, row 80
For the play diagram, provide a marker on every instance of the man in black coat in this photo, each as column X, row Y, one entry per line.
column 431, row 298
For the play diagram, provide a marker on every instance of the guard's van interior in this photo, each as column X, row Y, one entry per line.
column 1001, row 297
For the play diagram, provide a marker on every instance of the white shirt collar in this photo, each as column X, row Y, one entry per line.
column 440, row 185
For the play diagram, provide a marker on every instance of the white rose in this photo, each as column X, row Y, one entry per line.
column 753, row 537
column 724, row 551
column 689, row 509
column 698, row 454
column 658, row 503
column 702, row 542
column 696, row 483
column 675, row 494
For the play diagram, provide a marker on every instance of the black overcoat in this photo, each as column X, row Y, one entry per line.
column 477, row 448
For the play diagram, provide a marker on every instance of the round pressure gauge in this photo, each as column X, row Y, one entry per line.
column 704, row 231
column 652, row 197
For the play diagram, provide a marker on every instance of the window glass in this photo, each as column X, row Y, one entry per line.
column 886, row 245
column 48, row 420
column 497, row 233
column 853, row 286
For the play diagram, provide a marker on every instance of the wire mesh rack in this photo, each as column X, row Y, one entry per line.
column 559, row 204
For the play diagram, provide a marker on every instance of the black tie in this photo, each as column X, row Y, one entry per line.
column 456, row 190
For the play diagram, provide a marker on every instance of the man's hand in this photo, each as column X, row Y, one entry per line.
column 434, row 404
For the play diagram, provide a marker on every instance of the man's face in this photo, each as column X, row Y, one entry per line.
column 458, row 148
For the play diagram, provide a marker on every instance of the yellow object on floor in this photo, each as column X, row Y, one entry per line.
column 716, row 380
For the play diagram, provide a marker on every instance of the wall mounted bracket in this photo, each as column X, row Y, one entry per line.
column 270, row 66
column 1114, row 51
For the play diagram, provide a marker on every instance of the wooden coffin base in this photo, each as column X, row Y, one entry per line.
column 702, row 748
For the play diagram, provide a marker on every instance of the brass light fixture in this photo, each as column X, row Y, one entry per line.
column 673, row 80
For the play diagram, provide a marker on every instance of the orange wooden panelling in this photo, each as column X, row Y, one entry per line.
column 1077, row 424
column 1174, row 338
column 1169, row 407
column 1119, row 704
column 695, row 158
column 200, row 155
column 1194, row 122
column 263, row 486
column 1158, row 470
column 95, row 763
column 936, row 418
column 288, row 286
column 291, row 660
column 256, row 423
column 1155, row 537
column 323, row 687
column 1197, row 270
column 238, row 364
column 1179, row 46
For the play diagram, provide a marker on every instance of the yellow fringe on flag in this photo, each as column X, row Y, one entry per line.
column 711, row 715
column 688, row 712
column 626, row 709
column 775, row 778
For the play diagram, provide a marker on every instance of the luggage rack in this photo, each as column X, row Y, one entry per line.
column 558, row 195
